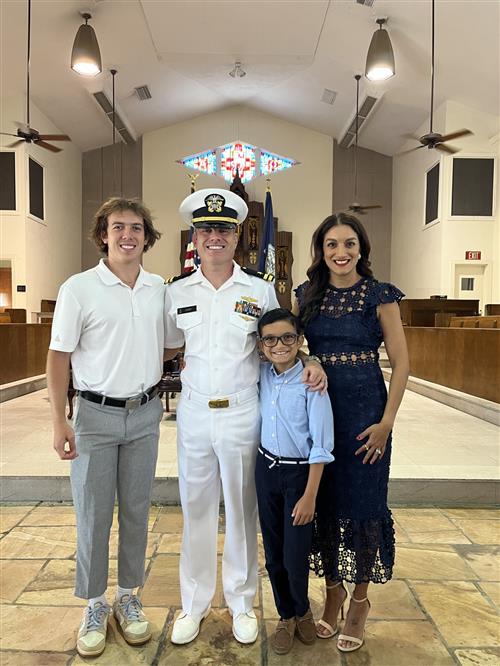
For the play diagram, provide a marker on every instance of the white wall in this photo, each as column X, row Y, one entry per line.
column 12, row 223
column 423, row 257
column 302, row 195
column 43, row 254
column 471, row 233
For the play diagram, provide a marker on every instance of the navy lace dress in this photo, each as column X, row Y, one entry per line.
column 354, row 533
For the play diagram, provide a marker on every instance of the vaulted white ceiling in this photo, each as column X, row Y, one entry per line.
column 291, row 51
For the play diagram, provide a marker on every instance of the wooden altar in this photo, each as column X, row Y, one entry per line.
column 248, row 249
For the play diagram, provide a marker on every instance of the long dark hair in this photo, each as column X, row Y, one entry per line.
column 318, row 272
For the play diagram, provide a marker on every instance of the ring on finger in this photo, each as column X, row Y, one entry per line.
column 367, row 448
column 378, row 451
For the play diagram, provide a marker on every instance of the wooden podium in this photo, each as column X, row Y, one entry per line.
column 249, row 245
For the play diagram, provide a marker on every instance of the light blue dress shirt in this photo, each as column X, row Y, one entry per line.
column 296, row 422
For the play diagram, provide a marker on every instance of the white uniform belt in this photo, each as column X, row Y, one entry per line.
column 223, row 401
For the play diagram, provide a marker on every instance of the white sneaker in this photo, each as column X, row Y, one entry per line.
column 130, row 616
column 245, row 627
column 92, row 633
column 187, row 627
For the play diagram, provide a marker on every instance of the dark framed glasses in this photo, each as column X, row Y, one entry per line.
column 287, row 339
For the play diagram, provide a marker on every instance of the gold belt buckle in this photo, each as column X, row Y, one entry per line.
column 218, row 404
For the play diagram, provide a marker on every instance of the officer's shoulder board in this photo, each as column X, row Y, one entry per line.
column 177, row 277
column 268, row 277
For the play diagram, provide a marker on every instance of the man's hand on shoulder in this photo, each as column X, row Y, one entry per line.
column 64, row 441
column 314, row 375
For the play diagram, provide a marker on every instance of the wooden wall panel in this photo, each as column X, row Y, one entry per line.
column 463, row 359
column 107, row 172
column 24, row 350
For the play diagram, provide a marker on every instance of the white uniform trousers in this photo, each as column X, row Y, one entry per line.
column 214, row 446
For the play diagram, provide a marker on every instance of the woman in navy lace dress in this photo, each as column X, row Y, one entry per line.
column 347, row 314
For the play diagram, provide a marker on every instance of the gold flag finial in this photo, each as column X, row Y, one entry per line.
column 268, row 185
column 193, row 177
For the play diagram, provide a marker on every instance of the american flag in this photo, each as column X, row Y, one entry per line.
column 191, row 258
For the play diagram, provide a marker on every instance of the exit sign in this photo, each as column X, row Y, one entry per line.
column 473, row 254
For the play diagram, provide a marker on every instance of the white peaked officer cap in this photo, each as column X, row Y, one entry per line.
column 213, row 208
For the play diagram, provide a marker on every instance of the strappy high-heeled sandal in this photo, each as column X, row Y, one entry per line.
column 323, row 623
column 353, row 639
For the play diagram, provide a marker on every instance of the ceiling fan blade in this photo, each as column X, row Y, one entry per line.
column 370, row 207
column 446, row 149
column 405, row 152
column 455, row 135
column 55, row 137
column 54, row 149
column 8, row 134
column 16, row 143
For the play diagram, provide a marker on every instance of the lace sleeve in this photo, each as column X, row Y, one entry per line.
column 299, row 293
column 385, row 292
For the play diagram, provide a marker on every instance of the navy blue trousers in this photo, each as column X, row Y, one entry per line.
column 286, row 547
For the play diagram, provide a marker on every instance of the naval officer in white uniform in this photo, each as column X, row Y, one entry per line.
column 213, row 314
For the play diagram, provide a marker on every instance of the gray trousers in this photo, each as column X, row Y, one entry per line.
column 117, row 451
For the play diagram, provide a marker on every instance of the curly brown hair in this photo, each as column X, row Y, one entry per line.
column 119, row 204
column 318, row 272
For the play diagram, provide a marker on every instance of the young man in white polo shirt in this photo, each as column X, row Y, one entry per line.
column 214, row 313
column 108, row 323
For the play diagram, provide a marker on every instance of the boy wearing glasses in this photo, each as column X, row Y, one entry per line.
column 296, row 443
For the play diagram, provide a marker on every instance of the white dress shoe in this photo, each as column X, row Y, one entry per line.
column 187, row 627
column 245, row 627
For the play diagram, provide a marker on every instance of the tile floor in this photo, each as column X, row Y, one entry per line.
column 441, row 608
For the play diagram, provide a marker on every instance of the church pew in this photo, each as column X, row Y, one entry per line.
column 465, row 359
column 24, row 350
column 474, row 322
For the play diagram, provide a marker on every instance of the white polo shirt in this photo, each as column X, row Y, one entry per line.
column 114, row 333
column 219, row 329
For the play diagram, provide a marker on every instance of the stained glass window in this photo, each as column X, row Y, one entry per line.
column 237, row 157
column 249, row 161
column 270, row 163
column 205, row 162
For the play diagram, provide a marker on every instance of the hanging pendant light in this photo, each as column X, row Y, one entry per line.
column 86, row 57
column 380, row 59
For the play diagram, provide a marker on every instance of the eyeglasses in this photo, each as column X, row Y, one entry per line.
column 287, row 339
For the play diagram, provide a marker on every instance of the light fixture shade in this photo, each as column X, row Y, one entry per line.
column 380, row 58
column 86, row 57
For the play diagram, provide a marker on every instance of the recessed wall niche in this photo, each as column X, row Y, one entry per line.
column 432, row 194
column 472, row 186
column 36, row 198
column 7, row 180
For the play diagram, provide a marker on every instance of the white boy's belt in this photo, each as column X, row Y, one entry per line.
column 278, row 460
column 220, row 402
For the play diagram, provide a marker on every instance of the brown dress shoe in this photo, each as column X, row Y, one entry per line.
column 283, row 636
column 306, row 628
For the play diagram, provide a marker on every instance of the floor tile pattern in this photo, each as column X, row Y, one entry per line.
column 443, row 606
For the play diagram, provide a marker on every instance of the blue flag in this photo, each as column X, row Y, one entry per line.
column 267, row 263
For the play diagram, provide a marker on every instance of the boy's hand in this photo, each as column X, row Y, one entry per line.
column 315, row 377
column 303, row 511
